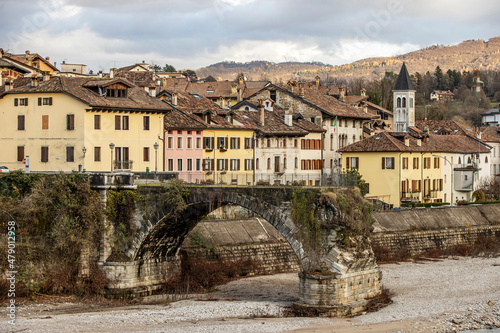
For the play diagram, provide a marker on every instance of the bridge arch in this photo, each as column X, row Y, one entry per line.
column 162, row 235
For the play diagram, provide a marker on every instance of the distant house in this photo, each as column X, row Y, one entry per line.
column 442, row 95
column 491, row 117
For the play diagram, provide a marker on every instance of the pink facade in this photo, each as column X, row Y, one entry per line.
column 184, row 153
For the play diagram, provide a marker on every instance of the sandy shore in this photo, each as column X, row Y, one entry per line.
column 430, row 296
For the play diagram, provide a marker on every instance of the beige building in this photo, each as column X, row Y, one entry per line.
column 72, row 124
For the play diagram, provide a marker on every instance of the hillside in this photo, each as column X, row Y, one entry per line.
column 466, row 56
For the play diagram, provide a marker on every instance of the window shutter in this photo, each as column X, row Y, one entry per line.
column 383, row 163
column 403, row 186
column 347, row 160
column 20, row 153
column 212, row 164
column 441, row 184
column 50, row 100
column 239, row 165
column 357, row 163
column 117, row 122
column 239, row 143
column 226, row 162
column 16, row 102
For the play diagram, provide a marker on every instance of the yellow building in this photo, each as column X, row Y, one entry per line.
column 400, row 168
column 72, row 124
column 35, row 61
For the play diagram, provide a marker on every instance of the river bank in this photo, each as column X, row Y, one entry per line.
column 428, row 296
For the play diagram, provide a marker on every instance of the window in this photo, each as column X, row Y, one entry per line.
column 208, row 142
column 367, row 187
column 170, row 142
column 354, row 124
column 436, row 162
column 20, row 123
column 295, row 143
column 121, row 123
column 70, row 154
column 97, row 154
column 405, row 163
column 189, row 143
column 399, row 102
column 415, row 163
column 437, row 184
column 268, row 142
column 415, row 185
column 387, row 162
column 248, row 143
column 404, row 102
column 235, row 143
column 145, row 123
column 45, row 101
column 257, row 164
column 199, row 143
column 179, row 164
column 20, row 101
column 97, row 121
column 198, row 164
column 118, row 93
column 70, row 122
column 125, row 123
column 189, row 164
column 170, row 164
column 45, row 122
column 248, row 164
column 222, row 164
column 427, row 162
column 20, row 153
column 145, row 154
column 284, row 163
column 179, row 142
column 235, row 164
column 179, row 132
column 208, row 164
column 296, row 164
column 45, row 154
column 222, row 142
column 352, row 163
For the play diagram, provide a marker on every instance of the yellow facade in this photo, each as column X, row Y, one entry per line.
column 398, row 179
column 74, row 149
column 220, row 171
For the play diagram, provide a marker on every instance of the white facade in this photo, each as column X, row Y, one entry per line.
column 404, row 110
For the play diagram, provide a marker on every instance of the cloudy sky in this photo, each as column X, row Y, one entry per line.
column 197, row 33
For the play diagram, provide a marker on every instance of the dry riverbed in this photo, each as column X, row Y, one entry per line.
column 429, row 296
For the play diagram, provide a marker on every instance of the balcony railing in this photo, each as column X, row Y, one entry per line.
column 123, row 165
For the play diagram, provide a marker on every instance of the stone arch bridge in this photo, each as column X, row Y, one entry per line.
column 334, row 280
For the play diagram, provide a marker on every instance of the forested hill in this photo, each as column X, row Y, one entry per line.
column 466, row 56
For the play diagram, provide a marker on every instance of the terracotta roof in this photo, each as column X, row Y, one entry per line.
column 212, row 89
column 451, row 127
column 128, row 68
column 86, row 90
column 492, row 133
column 395, row 142
column 141, row 79
column 378, row 107
column 443, row 92
column 10, row 63
column 173, row 84
column 194, row 103
column 25, row 59
column 177, row 119
column 355, row 99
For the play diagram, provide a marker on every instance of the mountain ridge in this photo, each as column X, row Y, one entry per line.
column 465, row 56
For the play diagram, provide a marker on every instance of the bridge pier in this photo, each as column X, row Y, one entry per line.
column 337, row 295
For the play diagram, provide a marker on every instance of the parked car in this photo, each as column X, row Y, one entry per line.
column 4, row 169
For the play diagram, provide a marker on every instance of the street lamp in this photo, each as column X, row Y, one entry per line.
column 84, row 150
column 451, row 168
column 155, row 146
column 111, row 147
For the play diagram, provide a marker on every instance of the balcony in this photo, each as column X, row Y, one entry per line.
column 123, row 165
column 410, row 196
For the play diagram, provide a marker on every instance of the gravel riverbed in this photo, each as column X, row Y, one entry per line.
column 429, row 296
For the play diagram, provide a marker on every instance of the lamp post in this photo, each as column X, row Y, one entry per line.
column 84, row 150
column 155, row 146
column 111, row 147
column 451, row 168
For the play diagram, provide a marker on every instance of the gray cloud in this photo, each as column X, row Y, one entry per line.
column 195, row 33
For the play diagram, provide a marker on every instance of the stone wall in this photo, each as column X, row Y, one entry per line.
column 418, row 230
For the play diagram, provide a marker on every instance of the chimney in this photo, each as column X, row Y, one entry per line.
column 240, row 95
column 288, row 118
column 99, row 75
column 111, row 73
column 1, row 53
column 34, row 81
column 261, row 112
column 317, row 80
column 47, row 58
column 342, row 93
column 363, row 92
column 419, row 142
column 46, row 76
column 152, row 91
column 164, row 82
column 222, row 102
column 301, row 90
column 479, row 136
column 174, row 98
column 27, row 53
column 291, row 85
column 407, row 141
column 365, row 108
